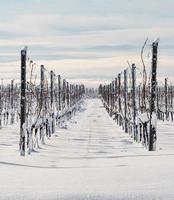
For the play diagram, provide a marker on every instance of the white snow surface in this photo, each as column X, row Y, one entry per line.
column 93, row 159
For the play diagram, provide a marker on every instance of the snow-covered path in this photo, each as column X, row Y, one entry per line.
column 91, row 159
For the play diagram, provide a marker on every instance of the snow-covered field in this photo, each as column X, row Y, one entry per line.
column 92, row 159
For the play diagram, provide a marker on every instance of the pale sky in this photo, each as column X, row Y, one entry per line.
column 89, row 41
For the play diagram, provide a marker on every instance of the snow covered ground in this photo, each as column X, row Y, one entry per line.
column 92, row 159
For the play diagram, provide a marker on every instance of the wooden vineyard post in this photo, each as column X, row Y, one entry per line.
column 171, row 101
column 157, row 93
column 73, row 95
column 80, row 90
column 134, row 100
column 171, row 92
column 71, row 99
column 42, row 70
column 68, row 100
column 100, row 90
column 119, row 99
column 12, row 101
column 166, row 98
column 77, row 93
column 68, row 95
column 125, row 102
column 64, row 96
column 113, row 97
column 152, row 135
column 42, row 85
column 59, row 91
column 116, row 100
column 52, row 102
column 110, row 99
column 104, row 95
column 23, row 102
column 59, row 99
column 1, row 105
